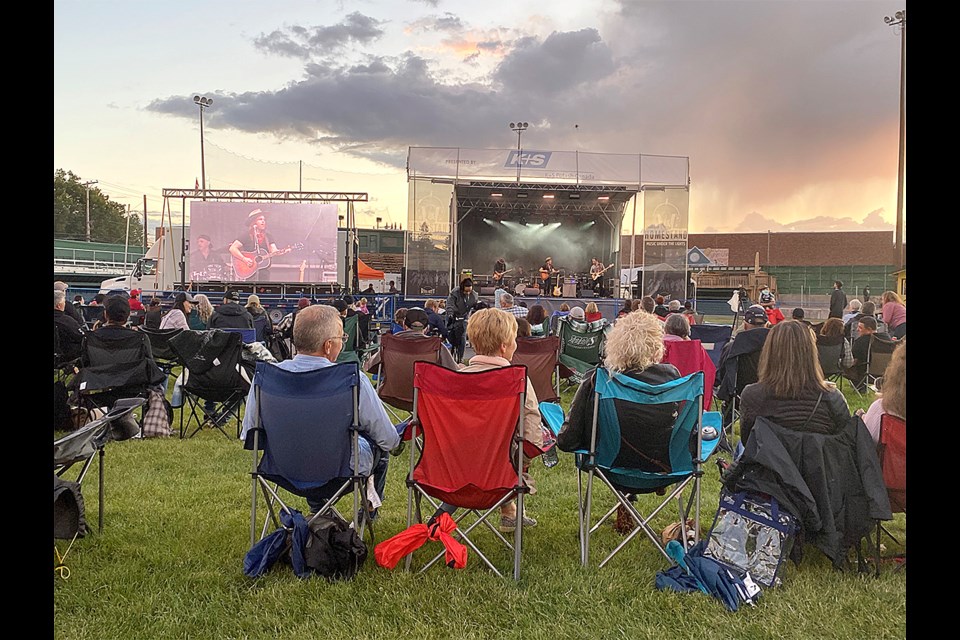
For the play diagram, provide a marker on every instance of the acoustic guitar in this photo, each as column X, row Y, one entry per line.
column 545, row 275
column 261, row 260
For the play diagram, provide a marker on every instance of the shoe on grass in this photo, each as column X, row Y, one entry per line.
column 509, row 525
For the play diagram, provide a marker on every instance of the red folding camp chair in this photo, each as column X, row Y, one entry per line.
column 470, row 422
column 689, row 356
column 892, row 450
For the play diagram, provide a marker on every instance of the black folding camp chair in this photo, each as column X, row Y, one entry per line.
column 215, row 378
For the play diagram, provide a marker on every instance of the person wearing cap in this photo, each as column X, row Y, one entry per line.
column 202, row 258
column 135, row 303
column 261, row 319
column 154, row 314
column 766, row 298
column 230, row 315
column 69, row 309
column 740, row 358
column 254, row 241
column 176, row 318
column 416, row 324
column 577, row 313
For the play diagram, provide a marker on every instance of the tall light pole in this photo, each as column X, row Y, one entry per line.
column 202, row 103
column 379, row 220
column 87, row 185
column 899, row 19
column 519, row 127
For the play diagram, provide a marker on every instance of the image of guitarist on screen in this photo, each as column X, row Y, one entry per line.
column 253, row 250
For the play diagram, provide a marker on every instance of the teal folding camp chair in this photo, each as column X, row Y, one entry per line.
column 625, row 483
column 581, row 347
column 352, row 351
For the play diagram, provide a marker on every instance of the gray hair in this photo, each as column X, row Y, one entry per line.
column 674, row 305
column 855, row 305
column 315, row 325
column 60, row 285
column 506, row 300
column 59, row 297
column 676, row 324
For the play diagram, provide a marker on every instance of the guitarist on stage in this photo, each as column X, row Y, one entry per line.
column 596, row 274
column 499, row 268
column 257, row 241
column 546, row 276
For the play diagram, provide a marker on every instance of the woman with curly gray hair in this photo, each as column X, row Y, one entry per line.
column 634, row 348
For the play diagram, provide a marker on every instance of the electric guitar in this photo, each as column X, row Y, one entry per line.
column 261, row 260
column 499, row 274
column 558, row 290
column 594, row 276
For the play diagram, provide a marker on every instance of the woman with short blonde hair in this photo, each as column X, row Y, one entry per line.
column 634, row 349
column 493, row 335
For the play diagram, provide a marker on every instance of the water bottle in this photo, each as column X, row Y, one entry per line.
column 550, row 457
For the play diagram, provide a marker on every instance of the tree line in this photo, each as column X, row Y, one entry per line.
column 108, row 221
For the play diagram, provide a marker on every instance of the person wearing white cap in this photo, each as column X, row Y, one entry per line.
column 69, row 309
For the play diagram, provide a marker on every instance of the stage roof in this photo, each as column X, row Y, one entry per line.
column 503, row 199
column 551, row 167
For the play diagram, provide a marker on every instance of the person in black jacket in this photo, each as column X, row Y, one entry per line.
column 791, row 390
column 634, row 348
column 838, row 301
column 230, row 315
column 71, row 335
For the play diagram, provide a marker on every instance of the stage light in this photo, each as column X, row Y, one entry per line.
column 548, row 196
column 522, row 194
column 496, row 195
column 603, row 198
column 574, row 196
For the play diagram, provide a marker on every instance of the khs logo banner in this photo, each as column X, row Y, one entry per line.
column 537, row 159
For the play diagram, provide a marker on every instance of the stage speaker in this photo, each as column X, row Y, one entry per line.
column 531, row 291
column 570, row 290
column 487, row 291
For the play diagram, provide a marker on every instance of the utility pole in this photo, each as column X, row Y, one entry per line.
column 88, row 185
column 144, row 223
column 203, row 103
column 899, row 19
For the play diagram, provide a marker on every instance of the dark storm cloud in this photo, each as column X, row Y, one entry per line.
column 302, row 42
column 561, row 61
column 376, row 109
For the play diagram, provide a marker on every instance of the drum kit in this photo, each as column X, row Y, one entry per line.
column 561, row 285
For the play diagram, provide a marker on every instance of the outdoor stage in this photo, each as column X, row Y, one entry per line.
column 471, row 207
column 609, row 307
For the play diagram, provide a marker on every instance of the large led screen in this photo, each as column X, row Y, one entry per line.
column 262, row 242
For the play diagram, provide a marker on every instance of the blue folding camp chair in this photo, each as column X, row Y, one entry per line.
column 306, row 427
column 626, row 482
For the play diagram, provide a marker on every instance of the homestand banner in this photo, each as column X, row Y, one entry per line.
column 262, row 242
column 665, row 222
column 547, row 166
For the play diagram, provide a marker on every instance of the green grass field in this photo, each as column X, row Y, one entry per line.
column 169, row 565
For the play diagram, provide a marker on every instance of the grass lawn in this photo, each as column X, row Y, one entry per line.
column 169, row 565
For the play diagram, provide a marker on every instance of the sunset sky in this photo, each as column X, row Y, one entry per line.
column 788, row 111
